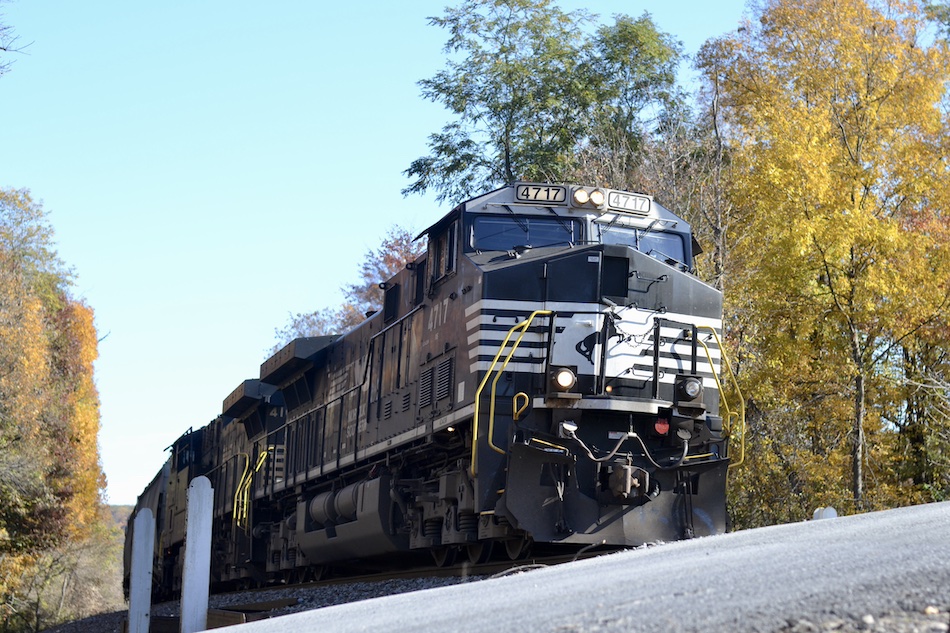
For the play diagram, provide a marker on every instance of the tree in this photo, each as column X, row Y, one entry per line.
column 515, row 89
column 78, row 475
column 939, row 12
column 836, row 109
column 632, row 71
column 50, row 478
column 923, row 419
column 28, row 275
column 78, row 579
column 397, row 249
column 530, row 88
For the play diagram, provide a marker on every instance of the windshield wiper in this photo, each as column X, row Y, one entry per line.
column 521, row 222
column 667, row 259
column 605, row 228
column 565, row 224
column 650, row 229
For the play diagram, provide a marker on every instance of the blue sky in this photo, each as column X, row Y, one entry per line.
column 212, row 167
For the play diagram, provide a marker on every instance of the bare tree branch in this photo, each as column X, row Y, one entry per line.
column 9, row 43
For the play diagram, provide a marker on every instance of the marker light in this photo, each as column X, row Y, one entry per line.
column 597, row 197
column 581, row 196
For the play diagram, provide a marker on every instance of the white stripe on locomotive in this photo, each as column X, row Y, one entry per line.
column 488, row 326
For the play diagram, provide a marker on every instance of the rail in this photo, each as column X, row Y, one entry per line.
column 734, row 419
column 522, row 328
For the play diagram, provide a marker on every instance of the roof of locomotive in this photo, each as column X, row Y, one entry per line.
column 246, row 396
column 629, row 208
column 293, row 357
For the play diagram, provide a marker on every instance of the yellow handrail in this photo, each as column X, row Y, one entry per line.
column 237, row 509
column 514, row 404
column 735, row 420
column 523, row 327
column 242, row 494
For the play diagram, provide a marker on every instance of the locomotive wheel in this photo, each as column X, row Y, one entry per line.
column 518, row 548
column 310, row 573
column 443, row 556
column 480, row 552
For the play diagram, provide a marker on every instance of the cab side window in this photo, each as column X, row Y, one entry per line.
column 443, row 252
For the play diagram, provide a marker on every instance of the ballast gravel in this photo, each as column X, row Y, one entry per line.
column 308, row 598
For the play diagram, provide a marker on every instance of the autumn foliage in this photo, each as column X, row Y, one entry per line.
column 50, row 478
column 841, row 258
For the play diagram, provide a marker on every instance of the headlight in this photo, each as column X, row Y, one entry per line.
column 589, row 197
column 688, row 394
column 692, row 388
column 563, row 379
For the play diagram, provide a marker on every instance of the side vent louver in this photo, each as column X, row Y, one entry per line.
column 425, row 387
column 444, row 380
column 435, row 384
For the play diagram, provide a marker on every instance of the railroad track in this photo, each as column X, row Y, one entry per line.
column 342, row 575
column 235, row 607
column 460, row 570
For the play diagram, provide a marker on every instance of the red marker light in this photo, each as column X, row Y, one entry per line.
column 662, row 427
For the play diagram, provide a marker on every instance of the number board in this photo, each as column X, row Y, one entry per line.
column 540, row 193
column 628, row 202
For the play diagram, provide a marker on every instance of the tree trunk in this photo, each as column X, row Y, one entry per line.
column 857, row 438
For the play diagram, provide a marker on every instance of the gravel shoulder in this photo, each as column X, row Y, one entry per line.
column 884, row 571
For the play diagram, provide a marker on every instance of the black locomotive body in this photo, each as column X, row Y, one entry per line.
column 546, row 373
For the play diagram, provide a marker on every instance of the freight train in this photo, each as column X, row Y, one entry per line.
column 549, row 372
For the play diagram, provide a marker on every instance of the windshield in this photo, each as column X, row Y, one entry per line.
column 503, row 233
column 666, row 247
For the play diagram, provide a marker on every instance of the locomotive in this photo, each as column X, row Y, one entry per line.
column 547, row 373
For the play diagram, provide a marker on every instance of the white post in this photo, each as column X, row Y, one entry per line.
column 825, row 513
column 140, row 576
column 197, row 571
